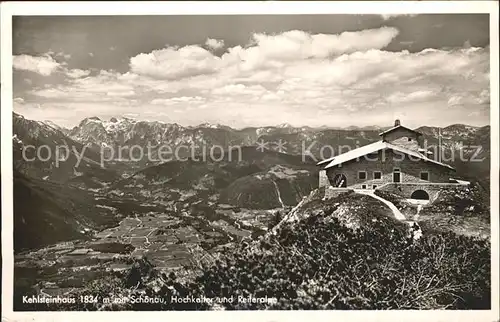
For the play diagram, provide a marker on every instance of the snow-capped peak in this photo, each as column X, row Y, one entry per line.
column 16, row 139
column 88, row 120
column 284, row 125
column 211, row 126
column 53, row 125
column 116, row 124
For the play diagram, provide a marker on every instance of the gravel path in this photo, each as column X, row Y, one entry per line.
column 397, row 214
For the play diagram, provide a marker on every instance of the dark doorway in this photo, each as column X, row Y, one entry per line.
column 396, row 176
column 420, row 195
column 340, row 181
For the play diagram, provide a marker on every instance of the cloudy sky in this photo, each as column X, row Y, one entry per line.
column 335, row 70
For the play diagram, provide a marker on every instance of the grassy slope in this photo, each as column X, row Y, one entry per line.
column 235, row 177
column 264, row 190
column 47, row 212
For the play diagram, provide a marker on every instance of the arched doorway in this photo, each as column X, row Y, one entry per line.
column 339, row 181
column 420, row 195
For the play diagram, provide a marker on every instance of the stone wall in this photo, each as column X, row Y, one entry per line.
column 385, row 161
column 406, row 189
column 404, row 138
column 323, row 179
column 335, row 192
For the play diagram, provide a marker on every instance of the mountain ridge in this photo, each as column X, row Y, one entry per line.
column 115, row 119
column 124, row 134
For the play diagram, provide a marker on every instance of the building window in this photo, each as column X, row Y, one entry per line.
column 396, row 175
column 377, row 175
column 363, row 186
column 424, row 175
column 339, row 181
column 362, row 175
column 374, row 186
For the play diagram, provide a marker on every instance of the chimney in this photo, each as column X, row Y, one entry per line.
column 397, row 123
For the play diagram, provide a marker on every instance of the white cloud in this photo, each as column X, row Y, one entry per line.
column 414, row 96
column 302, row 45
column 455, row 100
column 43, row 65
column 121, row 93
column 267, row 51
column 214, row 44
column 466, row 99
column 172, row 62
column 49, row 93
column 176, row 100
column 67, row 93
column 390, row 16
column 239, row 89
column 335, row 78
column 63, row 55
column 77, row 73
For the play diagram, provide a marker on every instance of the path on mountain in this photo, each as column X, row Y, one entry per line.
column 278, row 194
column 397, row 214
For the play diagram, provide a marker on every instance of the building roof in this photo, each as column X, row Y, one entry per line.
column 325, row 161
column 375, row 147
column 460, row 181
column 399, row 127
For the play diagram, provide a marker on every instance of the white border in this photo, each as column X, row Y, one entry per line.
column 199, row 8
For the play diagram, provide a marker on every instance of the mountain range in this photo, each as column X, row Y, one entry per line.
column 124, row 131
column 132, row 145
column 253, row 176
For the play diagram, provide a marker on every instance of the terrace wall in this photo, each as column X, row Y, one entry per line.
column 406, row 189
column 331, row 192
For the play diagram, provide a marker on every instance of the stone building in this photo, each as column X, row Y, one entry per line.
column 397, row 163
